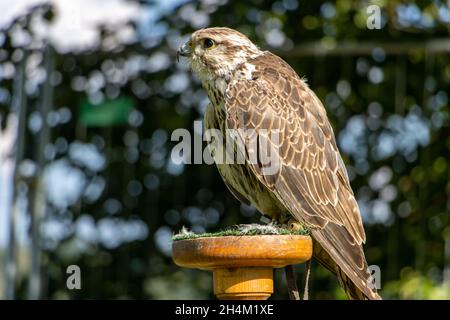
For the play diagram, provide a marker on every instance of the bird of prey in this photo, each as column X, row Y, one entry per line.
column 252, row 89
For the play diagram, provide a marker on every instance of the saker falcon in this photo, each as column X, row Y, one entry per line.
column 251, row 89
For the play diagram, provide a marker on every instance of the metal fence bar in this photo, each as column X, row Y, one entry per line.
column 353, row 48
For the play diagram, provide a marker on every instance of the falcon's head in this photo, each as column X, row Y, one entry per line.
column 215, row 52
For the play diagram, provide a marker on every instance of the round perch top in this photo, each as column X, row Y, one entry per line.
column 274, row 251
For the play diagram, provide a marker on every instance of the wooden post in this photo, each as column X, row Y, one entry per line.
column 242, row 266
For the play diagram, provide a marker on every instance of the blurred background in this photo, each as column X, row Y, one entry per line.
column 90, row 93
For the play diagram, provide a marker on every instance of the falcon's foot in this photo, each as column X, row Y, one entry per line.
column 294, row 225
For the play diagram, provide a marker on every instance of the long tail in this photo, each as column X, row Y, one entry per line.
column 353, row 283
column 352, row 291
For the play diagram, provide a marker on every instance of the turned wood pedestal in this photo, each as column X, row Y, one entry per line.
column 242, row 266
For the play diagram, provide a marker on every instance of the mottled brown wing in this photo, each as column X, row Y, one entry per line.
column 312, row 182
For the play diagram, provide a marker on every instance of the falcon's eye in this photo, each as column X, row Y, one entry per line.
column 208, row 43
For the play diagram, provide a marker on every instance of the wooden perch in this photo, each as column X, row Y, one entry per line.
column 242, row 266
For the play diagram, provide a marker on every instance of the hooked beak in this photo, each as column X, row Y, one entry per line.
column 184, row 51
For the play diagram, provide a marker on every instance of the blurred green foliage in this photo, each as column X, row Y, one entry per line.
column 108, row 113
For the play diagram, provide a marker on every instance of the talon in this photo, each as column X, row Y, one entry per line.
column 294, row 225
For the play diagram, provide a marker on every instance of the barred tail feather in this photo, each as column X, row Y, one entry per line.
column 354, row 282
